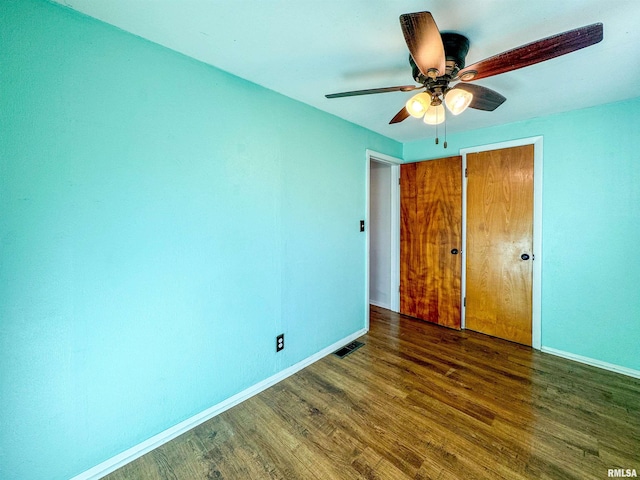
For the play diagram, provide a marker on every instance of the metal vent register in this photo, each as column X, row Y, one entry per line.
column 347, row 349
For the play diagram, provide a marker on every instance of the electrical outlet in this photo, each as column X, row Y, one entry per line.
column 280, row 342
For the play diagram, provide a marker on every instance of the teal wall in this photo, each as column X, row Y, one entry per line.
column 155, row 236
column 590, row 226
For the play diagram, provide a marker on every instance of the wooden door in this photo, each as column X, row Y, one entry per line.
column 500, row 242
column 430, row 230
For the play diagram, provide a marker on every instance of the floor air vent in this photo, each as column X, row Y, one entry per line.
column 347, row 349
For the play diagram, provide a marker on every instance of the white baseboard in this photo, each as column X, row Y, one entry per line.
column 380, row 304
column 593, row 362
column 161, row 438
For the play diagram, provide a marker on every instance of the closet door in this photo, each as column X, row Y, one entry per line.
column 430, row 240
column 500, row 243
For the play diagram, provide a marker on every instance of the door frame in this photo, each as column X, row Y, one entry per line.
column 537, row 143
column 394, row 165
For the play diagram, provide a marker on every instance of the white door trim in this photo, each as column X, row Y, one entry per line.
column 537, row 142
column 394, row 164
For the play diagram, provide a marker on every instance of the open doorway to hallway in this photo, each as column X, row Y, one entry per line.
column 383, row 231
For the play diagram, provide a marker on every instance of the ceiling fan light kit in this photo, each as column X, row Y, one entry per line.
column 457, row 100
column 435, row 115
column 438, row 59
column 418, row 105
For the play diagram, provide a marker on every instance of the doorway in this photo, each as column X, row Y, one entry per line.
column 382, row 231
column 380, row 235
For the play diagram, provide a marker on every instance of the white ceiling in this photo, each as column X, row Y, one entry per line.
column 305, row 49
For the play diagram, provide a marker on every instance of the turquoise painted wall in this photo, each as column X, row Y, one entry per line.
column 155, row 237
column 591, row 225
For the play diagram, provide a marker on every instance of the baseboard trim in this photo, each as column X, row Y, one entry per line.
column 380, row 304
column 161, row 438
column 593, row 362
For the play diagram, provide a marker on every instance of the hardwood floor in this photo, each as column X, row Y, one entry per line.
column 418, row 401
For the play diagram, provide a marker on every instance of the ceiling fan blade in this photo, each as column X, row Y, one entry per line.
column 401, row 88
column 535, row 52
column 483, row 98
column 424, row 41
column 400, row 116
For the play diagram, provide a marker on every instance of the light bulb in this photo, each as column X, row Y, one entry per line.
column 418, row 104
column 434, row 115
column 458, row 100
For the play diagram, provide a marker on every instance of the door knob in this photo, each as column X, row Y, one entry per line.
column 524, row 256
column 454, row 251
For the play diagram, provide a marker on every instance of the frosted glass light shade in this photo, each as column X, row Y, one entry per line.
column 434, row 115
column 458, row 100
column 418, row 104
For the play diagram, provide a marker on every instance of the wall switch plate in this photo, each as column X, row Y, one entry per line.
column 362, row 225
column 280, row 342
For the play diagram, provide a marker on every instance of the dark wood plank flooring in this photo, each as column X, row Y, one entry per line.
column 418, row 401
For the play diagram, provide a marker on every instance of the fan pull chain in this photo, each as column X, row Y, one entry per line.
column 445, row 131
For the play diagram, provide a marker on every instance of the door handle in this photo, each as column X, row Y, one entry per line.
column 454, row 251
column 524, row 256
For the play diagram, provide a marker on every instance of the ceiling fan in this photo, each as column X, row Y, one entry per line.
column 438, row 59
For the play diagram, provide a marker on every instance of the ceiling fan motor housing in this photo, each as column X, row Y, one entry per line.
column 456, row 47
